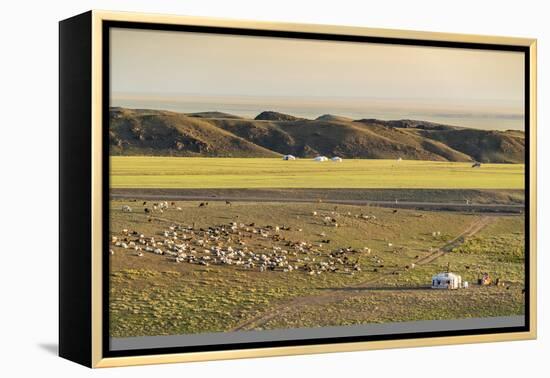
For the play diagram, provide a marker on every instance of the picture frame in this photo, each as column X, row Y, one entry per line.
column 86, row 174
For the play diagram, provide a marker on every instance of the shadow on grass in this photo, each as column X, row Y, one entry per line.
column 376, row 288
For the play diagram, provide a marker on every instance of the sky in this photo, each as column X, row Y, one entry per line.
column 243, row 74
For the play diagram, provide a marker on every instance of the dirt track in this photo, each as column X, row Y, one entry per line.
column 419, row 205
column 340, row 293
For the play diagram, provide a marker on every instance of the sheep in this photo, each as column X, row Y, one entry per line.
column 126, row 209
column 224, row 245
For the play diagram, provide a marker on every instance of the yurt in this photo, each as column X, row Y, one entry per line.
column 289, row 157
column 336, row 159
column 321, row 158
column 446, row 280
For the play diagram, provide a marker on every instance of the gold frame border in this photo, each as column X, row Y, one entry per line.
column 97, row 359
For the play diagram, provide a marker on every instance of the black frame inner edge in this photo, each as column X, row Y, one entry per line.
column 107, row 25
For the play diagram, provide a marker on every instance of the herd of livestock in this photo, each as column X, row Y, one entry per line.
column 246, row 246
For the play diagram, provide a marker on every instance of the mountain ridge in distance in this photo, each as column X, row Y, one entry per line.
column 273, row 134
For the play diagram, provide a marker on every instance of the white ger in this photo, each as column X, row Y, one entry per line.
column 321, row 158
column 446, row 280
column 336, row 159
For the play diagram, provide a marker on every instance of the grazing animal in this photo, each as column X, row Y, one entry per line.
column 146, row 210
column 395, row 211
column 476, row 165
column 126, row 209
column 228, row 203
column 144, row 203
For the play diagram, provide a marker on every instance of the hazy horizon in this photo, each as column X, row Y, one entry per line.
column 243, row 75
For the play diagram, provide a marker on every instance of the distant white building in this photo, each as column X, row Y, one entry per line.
column 321, row 158
column 289, row 157
column 336, row 159
column 446, row 280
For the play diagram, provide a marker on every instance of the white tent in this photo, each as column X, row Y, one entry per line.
column 321, row 158
column 336, row 159
column 446, row 281
column 289, row 157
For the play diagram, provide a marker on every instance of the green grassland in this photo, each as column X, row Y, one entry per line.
column 153, row 295
column 183, row 172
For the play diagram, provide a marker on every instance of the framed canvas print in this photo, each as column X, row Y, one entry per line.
column 235, row 189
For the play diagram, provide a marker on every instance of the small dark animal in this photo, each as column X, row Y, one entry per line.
column 144, row 203
column 228, row 203
column 395, row 211
column 147, row 211
column 203, row 204
column 476, row 165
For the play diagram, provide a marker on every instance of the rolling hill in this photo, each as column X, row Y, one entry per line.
column 271, row 134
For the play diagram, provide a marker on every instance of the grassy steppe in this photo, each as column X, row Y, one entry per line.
column 153, row 295
column 183, row 172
